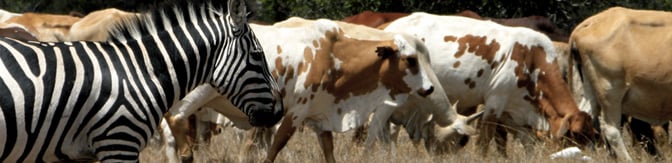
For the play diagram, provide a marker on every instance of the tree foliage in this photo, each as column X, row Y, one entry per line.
column 565, row 13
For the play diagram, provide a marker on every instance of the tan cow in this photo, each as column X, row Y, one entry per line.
column 45, row 27
column 626, row 68
column 94, row 26
column 512, row 71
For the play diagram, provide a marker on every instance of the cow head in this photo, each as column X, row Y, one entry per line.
column 346, row 66
column 578, row 128
column 362, row 64
column 539, row 73
column 408, row 60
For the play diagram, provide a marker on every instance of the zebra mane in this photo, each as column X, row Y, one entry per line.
column 156, row 20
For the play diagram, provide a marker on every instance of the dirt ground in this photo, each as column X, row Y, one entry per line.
column 304, row 147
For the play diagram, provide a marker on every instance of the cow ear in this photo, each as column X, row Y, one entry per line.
column 385, row 52
column 563, row 128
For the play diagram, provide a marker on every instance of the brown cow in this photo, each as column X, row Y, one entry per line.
column 374, row 19
column 538, row 23
column 17, row 33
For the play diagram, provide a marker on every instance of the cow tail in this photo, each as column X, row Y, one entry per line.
column 576, row 61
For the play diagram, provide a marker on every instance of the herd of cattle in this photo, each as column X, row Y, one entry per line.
column 434, row 75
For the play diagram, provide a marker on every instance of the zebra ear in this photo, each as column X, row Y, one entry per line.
column 238, row 11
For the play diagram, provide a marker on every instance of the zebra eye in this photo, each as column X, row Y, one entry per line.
column 257, row 55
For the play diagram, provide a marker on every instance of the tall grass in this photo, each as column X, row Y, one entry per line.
column 304, row 147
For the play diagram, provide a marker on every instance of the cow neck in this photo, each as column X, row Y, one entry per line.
column 555, row 92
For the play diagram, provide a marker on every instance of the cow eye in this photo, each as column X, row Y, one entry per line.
column 412, row 62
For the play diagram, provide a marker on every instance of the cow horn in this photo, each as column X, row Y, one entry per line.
column 563, row 128
column 459, row 126
column 474, row 116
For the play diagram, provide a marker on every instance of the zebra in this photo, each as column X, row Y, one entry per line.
column 82, row 101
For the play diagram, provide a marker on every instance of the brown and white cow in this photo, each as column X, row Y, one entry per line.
column 626, row 67
column 512, row 71
column 333, row 81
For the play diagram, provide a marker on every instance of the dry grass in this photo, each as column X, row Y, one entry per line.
column 304, row 147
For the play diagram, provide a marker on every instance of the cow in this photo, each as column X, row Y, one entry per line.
column 45, row 27
column 642, row 133
column 614, row 49
column 332, row 81
column 17, row 33
column 538, row 23
column 90, row 26
column 512, row 71
column 373, row 19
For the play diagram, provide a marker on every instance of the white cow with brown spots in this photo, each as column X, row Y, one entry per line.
column 512, row 71
column 626, row 68
column 332, row 81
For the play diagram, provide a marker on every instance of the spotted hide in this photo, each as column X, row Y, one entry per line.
column 512, row 71
column 332, row 82
column 625, row 68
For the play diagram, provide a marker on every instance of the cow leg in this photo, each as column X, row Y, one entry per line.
column 256, row 139
column 168, row 142
column 487, row 127
column 395, row 130
column 379, row 126
column 285, row 131
column 643, row 135
column 327, row 143
column 527, row 137
column 179, row 113
column 501, row 139
column 360, row 134
column 666, row 127
column 612, row 116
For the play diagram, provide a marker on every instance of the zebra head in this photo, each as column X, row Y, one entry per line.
column 244, row 77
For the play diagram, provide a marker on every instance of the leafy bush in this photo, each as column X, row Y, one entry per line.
column 565, row 13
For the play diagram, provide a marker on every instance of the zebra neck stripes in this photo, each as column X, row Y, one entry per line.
column 103, row 100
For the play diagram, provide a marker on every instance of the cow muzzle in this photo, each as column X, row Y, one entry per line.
column 424, row 92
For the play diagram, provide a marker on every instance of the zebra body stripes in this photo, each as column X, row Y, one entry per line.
column 103, row 100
